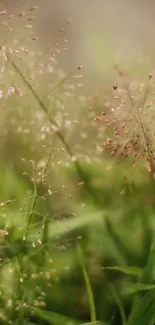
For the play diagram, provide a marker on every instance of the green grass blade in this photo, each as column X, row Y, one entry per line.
column 147, row 236
column 144, row 312
column 147, row 275
column 28, row 323
column 132, row 288
column 119, row 304
column 91, row 323
column 52, row 317
column 128, row 270
column 88, row 286
column 126, row 252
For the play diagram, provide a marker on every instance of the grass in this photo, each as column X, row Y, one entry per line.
column 77, row 199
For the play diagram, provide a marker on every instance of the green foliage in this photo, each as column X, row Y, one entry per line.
column 120, row 267
column 88, row 286
column 144, row 313
column 53, row 318
column 77, row 226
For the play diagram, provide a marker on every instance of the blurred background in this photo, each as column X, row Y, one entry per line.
column 101, row 34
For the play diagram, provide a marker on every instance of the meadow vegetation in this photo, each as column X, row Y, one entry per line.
column 77, row 188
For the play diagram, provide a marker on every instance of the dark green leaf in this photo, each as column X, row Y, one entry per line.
column 88, row 286
column 129, row 270
column 144, row 312
column 53, row 318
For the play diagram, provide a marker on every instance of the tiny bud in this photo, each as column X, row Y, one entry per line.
column 32, row 162
column 69, row 20
column 34, row 8
column 80, row 67
column 23, row 159
column 8, row 201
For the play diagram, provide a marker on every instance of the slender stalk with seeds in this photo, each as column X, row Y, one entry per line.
column 59, row 134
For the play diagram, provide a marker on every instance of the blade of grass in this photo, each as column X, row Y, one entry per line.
column 88, row 285
column 90, row 323
column 52, row 317
column 148, row 272
column 147, row 235
column 144, row 312
column 128, row 270
column 119, row 303
column 127, row 253
column 131, row 288
column 147, row 275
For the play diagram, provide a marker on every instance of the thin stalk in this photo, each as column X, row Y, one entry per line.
column 58, row 132
column 145, row 96
column 88, row 286
column 141, row 124
column 36, row 191
column 119, row 304
column 30, row 215
column 54, row 88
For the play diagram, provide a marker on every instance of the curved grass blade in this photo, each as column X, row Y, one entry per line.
column 128, row 270
column 147, row 236
column 119, row 304
column 52, row 317
column 144, row 312
column 132, row 288
column 28, row 323
column 90, row 323
column 147, row 275
column 128, row 254
column 98, row 323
